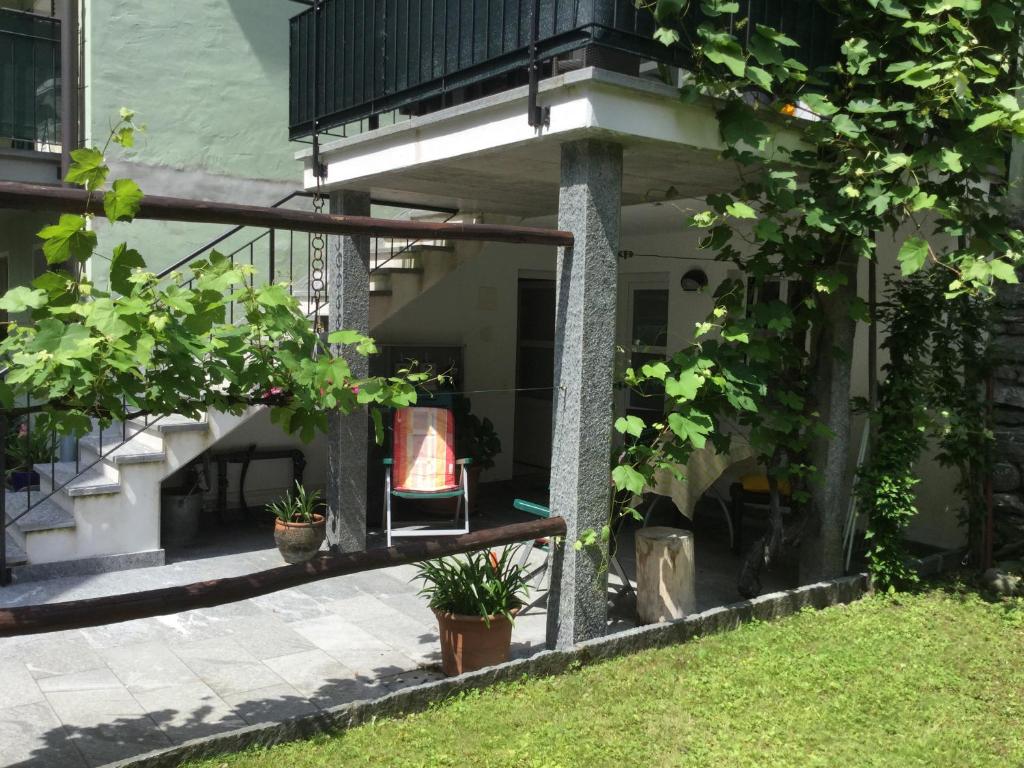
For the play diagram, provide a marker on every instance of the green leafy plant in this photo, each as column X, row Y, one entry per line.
column 933, row 389
column 902, row 136
column 299, row 506
column 484, row 443
column 172, row 346
column 476, row 584
column 477, row 438
column 26, row 447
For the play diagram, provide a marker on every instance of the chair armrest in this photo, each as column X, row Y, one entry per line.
column 463, row 461
column 532, row 508
column 388, row 462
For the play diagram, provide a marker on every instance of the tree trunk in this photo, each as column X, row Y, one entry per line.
column 821, row 542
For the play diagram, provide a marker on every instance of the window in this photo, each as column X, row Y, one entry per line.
column 647, row 312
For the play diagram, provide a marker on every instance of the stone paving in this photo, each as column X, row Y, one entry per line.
column 89, row 697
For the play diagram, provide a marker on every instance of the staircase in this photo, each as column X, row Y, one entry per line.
column 105, row 513
column 400, row 272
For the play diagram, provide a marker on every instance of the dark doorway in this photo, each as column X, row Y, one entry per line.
column 535, row 373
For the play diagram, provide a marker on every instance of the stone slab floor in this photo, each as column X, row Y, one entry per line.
column 89, row 697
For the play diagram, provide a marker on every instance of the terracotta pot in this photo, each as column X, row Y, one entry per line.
column 299, row 542
column 467, row 643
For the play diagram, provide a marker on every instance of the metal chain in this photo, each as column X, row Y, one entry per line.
column 317, row 264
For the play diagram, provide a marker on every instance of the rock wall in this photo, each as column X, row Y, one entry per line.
column 1008, row 390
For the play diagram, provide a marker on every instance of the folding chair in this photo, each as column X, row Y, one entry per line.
column 542, row 570
column 537, row 510
column 422, row 466
column 752, row 493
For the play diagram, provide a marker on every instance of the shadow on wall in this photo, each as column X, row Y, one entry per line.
column 265, row 26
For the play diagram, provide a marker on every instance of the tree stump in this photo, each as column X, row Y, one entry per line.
column 664, row 574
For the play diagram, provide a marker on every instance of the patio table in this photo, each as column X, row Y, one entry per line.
column 702, row 471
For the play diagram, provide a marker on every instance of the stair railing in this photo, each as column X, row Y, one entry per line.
column 274, row 242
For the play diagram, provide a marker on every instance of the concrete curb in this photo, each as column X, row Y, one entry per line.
column 417, row 698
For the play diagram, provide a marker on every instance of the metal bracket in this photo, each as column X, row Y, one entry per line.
column 319, row 169
column 538, row 116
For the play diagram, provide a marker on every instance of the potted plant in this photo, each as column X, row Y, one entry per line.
column 25, row 448
column 475, row 598
column 300, row 528
column 477, row 440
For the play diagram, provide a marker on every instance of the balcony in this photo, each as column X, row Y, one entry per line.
column 29, row 82
column 416, row 56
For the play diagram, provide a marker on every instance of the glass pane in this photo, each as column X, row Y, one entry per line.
column 535, row 370
column 650, row 317
column 650, row 397
column 536, row 310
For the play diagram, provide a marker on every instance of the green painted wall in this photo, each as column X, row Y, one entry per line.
column 209, row 79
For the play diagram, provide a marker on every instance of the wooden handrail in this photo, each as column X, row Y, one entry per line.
column 92, row 612
column 37, row 197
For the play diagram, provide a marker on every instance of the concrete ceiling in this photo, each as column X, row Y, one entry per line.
column 524, row 180
column 484, row 157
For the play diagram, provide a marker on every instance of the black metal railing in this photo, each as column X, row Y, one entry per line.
column 30, row 60
column 376, row 56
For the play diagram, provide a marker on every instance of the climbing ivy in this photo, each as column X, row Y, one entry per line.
column 167, row 346
column 903, row 136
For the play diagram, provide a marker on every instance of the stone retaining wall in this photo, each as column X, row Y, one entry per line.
column 418, row 698
column 1008, row 412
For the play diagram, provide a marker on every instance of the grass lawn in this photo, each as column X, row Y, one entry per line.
column 935, row 679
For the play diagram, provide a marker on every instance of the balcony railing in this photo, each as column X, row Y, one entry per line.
column 29, row 81
column 375, row 56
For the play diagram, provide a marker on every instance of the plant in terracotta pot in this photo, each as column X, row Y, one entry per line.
column 300, row 528
column 475, row 598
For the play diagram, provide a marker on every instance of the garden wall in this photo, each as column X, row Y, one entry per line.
column 1008, row 412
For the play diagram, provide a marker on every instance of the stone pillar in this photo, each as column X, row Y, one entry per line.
column 589, row 207
column 348, row 290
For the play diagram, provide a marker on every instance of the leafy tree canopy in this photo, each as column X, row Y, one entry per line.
column 904, row 135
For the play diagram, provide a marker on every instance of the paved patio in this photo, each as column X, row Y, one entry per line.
column 89, row 697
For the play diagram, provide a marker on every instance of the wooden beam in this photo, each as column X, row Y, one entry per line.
column 75, row 614
column 37, row 197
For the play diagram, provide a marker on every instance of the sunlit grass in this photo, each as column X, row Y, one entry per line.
column 932, row 679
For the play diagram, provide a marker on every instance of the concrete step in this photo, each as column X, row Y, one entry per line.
column 140, row 448
column 389, row 247
column 15, row 554
column 43, row 516
column 169, row 424
column 399, row 270
column 92, row 482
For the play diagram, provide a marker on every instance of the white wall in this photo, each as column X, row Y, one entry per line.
column 266, row 480
column 476, row 307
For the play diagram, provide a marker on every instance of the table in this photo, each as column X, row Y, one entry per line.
column 702, row 471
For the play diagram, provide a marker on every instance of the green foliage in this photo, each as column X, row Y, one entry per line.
column 168, row 346
column 476, row 584
column 477, row 438
column 922, row 680
column 933, row 390
column 905, row 134
column 27, row 446
column 299, row 506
